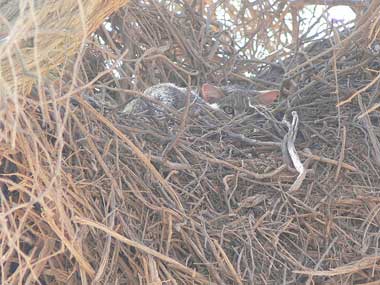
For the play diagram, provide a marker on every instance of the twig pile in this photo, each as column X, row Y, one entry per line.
column 90, row 194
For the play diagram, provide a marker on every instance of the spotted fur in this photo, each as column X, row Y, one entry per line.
column 232, row 99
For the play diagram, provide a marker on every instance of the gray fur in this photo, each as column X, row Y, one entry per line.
column 236, row 99
column 168, row 94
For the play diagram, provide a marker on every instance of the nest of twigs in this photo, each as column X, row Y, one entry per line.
column 92, row 195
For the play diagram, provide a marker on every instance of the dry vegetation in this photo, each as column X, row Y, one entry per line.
column 92, row 196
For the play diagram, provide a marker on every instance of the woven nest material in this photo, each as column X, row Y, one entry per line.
column 92, row 195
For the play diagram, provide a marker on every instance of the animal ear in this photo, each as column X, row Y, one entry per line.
column 267, row 97
column 211, row 93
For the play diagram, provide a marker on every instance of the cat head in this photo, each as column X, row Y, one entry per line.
column 236, row 101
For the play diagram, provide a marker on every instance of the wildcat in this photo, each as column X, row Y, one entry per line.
column 232, row 99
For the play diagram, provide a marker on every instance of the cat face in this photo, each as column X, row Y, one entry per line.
column 235, row 102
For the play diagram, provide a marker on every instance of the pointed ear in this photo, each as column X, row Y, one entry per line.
column 211, row 93
column 267, row 97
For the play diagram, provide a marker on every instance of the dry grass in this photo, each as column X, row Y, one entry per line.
column 90, row 195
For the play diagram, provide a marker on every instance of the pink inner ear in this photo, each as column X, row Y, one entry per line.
column 267, row 97
column 211, row 93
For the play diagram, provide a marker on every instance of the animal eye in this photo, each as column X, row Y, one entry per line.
column 228, row 110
